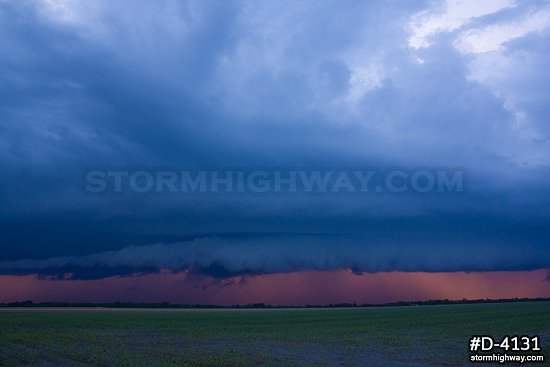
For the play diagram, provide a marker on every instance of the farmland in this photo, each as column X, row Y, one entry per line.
column 383, row 336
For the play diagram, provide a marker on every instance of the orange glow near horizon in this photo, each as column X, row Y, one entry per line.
column 298, row 288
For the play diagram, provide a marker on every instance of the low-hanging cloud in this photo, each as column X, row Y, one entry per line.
column 220, row 257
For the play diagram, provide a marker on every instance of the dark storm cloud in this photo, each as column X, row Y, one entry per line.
column 221, row 258
column 248, row 84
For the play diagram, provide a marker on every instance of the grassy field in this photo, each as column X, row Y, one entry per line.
column 393, row 336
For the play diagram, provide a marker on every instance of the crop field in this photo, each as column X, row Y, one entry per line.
column 384, row 336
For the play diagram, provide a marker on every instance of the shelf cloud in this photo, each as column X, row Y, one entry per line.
column 275, row 86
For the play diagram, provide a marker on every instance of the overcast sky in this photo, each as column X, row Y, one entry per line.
column 380, row 84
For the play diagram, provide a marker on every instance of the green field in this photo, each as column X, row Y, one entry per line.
column 385, row 336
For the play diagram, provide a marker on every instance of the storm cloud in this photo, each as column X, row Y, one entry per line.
column 258, row 255
column 203, row 84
